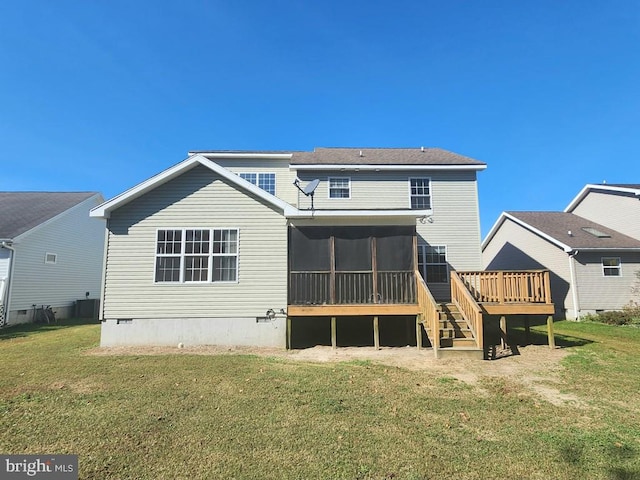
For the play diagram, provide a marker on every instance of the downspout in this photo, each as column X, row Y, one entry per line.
column 574, row 284
column 7, row 288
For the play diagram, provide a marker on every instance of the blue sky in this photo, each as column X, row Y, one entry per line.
column 100, row 95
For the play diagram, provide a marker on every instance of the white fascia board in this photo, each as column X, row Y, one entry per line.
column 271, row 156
column 607, row 188
column 297, row 213
column 104, row 210
column 525, row 225
column 493, row 231
column 339, row 167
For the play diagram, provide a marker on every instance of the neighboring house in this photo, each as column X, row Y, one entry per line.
column 50, row 252
column 592, row 248
column 223, row 248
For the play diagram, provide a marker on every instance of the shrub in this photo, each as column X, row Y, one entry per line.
column 629, row 315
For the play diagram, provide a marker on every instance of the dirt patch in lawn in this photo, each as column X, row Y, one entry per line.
column 536, row 369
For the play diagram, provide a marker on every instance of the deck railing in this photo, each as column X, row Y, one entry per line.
column 428, row 313
column 504, row 287
column 468, row 307
column 347, row 288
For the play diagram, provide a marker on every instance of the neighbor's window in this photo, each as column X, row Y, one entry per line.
column 432, row 263
column 339, row 187
column 51, row 258
column 197, row 255
column 611, row 267
column 266, row 181
column 420, row 193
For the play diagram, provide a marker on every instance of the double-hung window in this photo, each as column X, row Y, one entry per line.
column 611, row 267
column 432, row 263
column 339, row 187
column 420, row 193
column 266, row 181
column 196, row 255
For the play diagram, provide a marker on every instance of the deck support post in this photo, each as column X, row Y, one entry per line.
column 552, row 340
column 288, row 333
column 376, row 333
column 334, row 341
column 418, row 333
column 503, row 332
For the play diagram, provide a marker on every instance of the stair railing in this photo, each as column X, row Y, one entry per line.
column 428, row 312
column 468, row 307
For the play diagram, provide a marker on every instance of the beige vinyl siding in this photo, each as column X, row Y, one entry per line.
column 198, row 198
column 285, row 189
column 516, row 248
column 455, row 223
column 369, row 190
column 597, row 292
column 77, row 240
column 619, row 211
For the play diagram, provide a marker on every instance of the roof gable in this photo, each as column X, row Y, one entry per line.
column 625, row 188
column 104, row 210
column 23, row 211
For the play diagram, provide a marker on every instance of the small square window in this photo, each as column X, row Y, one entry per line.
column 51, row 258
column 611, row 267
column 339, row 187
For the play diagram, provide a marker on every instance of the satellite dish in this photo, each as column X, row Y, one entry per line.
column 311, row 187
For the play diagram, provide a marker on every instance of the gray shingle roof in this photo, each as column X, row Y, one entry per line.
column 558, row 224
column 22, row 211
column 381, row 156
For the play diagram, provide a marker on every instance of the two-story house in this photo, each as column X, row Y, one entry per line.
column 281, row 248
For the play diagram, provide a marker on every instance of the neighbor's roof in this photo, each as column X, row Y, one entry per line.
column 614, row 188
column 555, row 226
column 22, row 211
column 382, row 156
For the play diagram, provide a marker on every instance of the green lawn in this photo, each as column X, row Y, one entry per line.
column 232, row 416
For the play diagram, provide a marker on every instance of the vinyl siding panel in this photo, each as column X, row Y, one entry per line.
column 618, row 211
column 77, row 240
column 5, row 256
column 198, row 198
column 285, row 189
column 516, row 248
column 597, row 292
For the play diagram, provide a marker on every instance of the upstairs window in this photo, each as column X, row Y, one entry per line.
column 196, row 255
column 432, row 263
column 339, row 187
column 611, row 267
column 420, row 193
column 266, row 181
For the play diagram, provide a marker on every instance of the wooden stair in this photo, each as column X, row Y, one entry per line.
column 456, row 337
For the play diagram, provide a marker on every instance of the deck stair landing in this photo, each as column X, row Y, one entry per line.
column 456, row 337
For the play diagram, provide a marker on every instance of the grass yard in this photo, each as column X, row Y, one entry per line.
column 181, row 416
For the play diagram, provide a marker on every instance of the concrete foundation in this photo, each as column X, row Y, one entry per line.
column 194, row 331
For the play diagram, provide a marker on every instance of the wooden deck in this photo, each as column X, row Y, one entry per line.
column 473, row 293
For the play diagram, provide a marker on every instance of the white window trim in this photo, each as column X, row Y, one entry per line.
column 619, row 267
column 210, row 255
column 430, row 192
column 46, row 258
column 446, row 263
column 348, row 179
column 257, row 184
